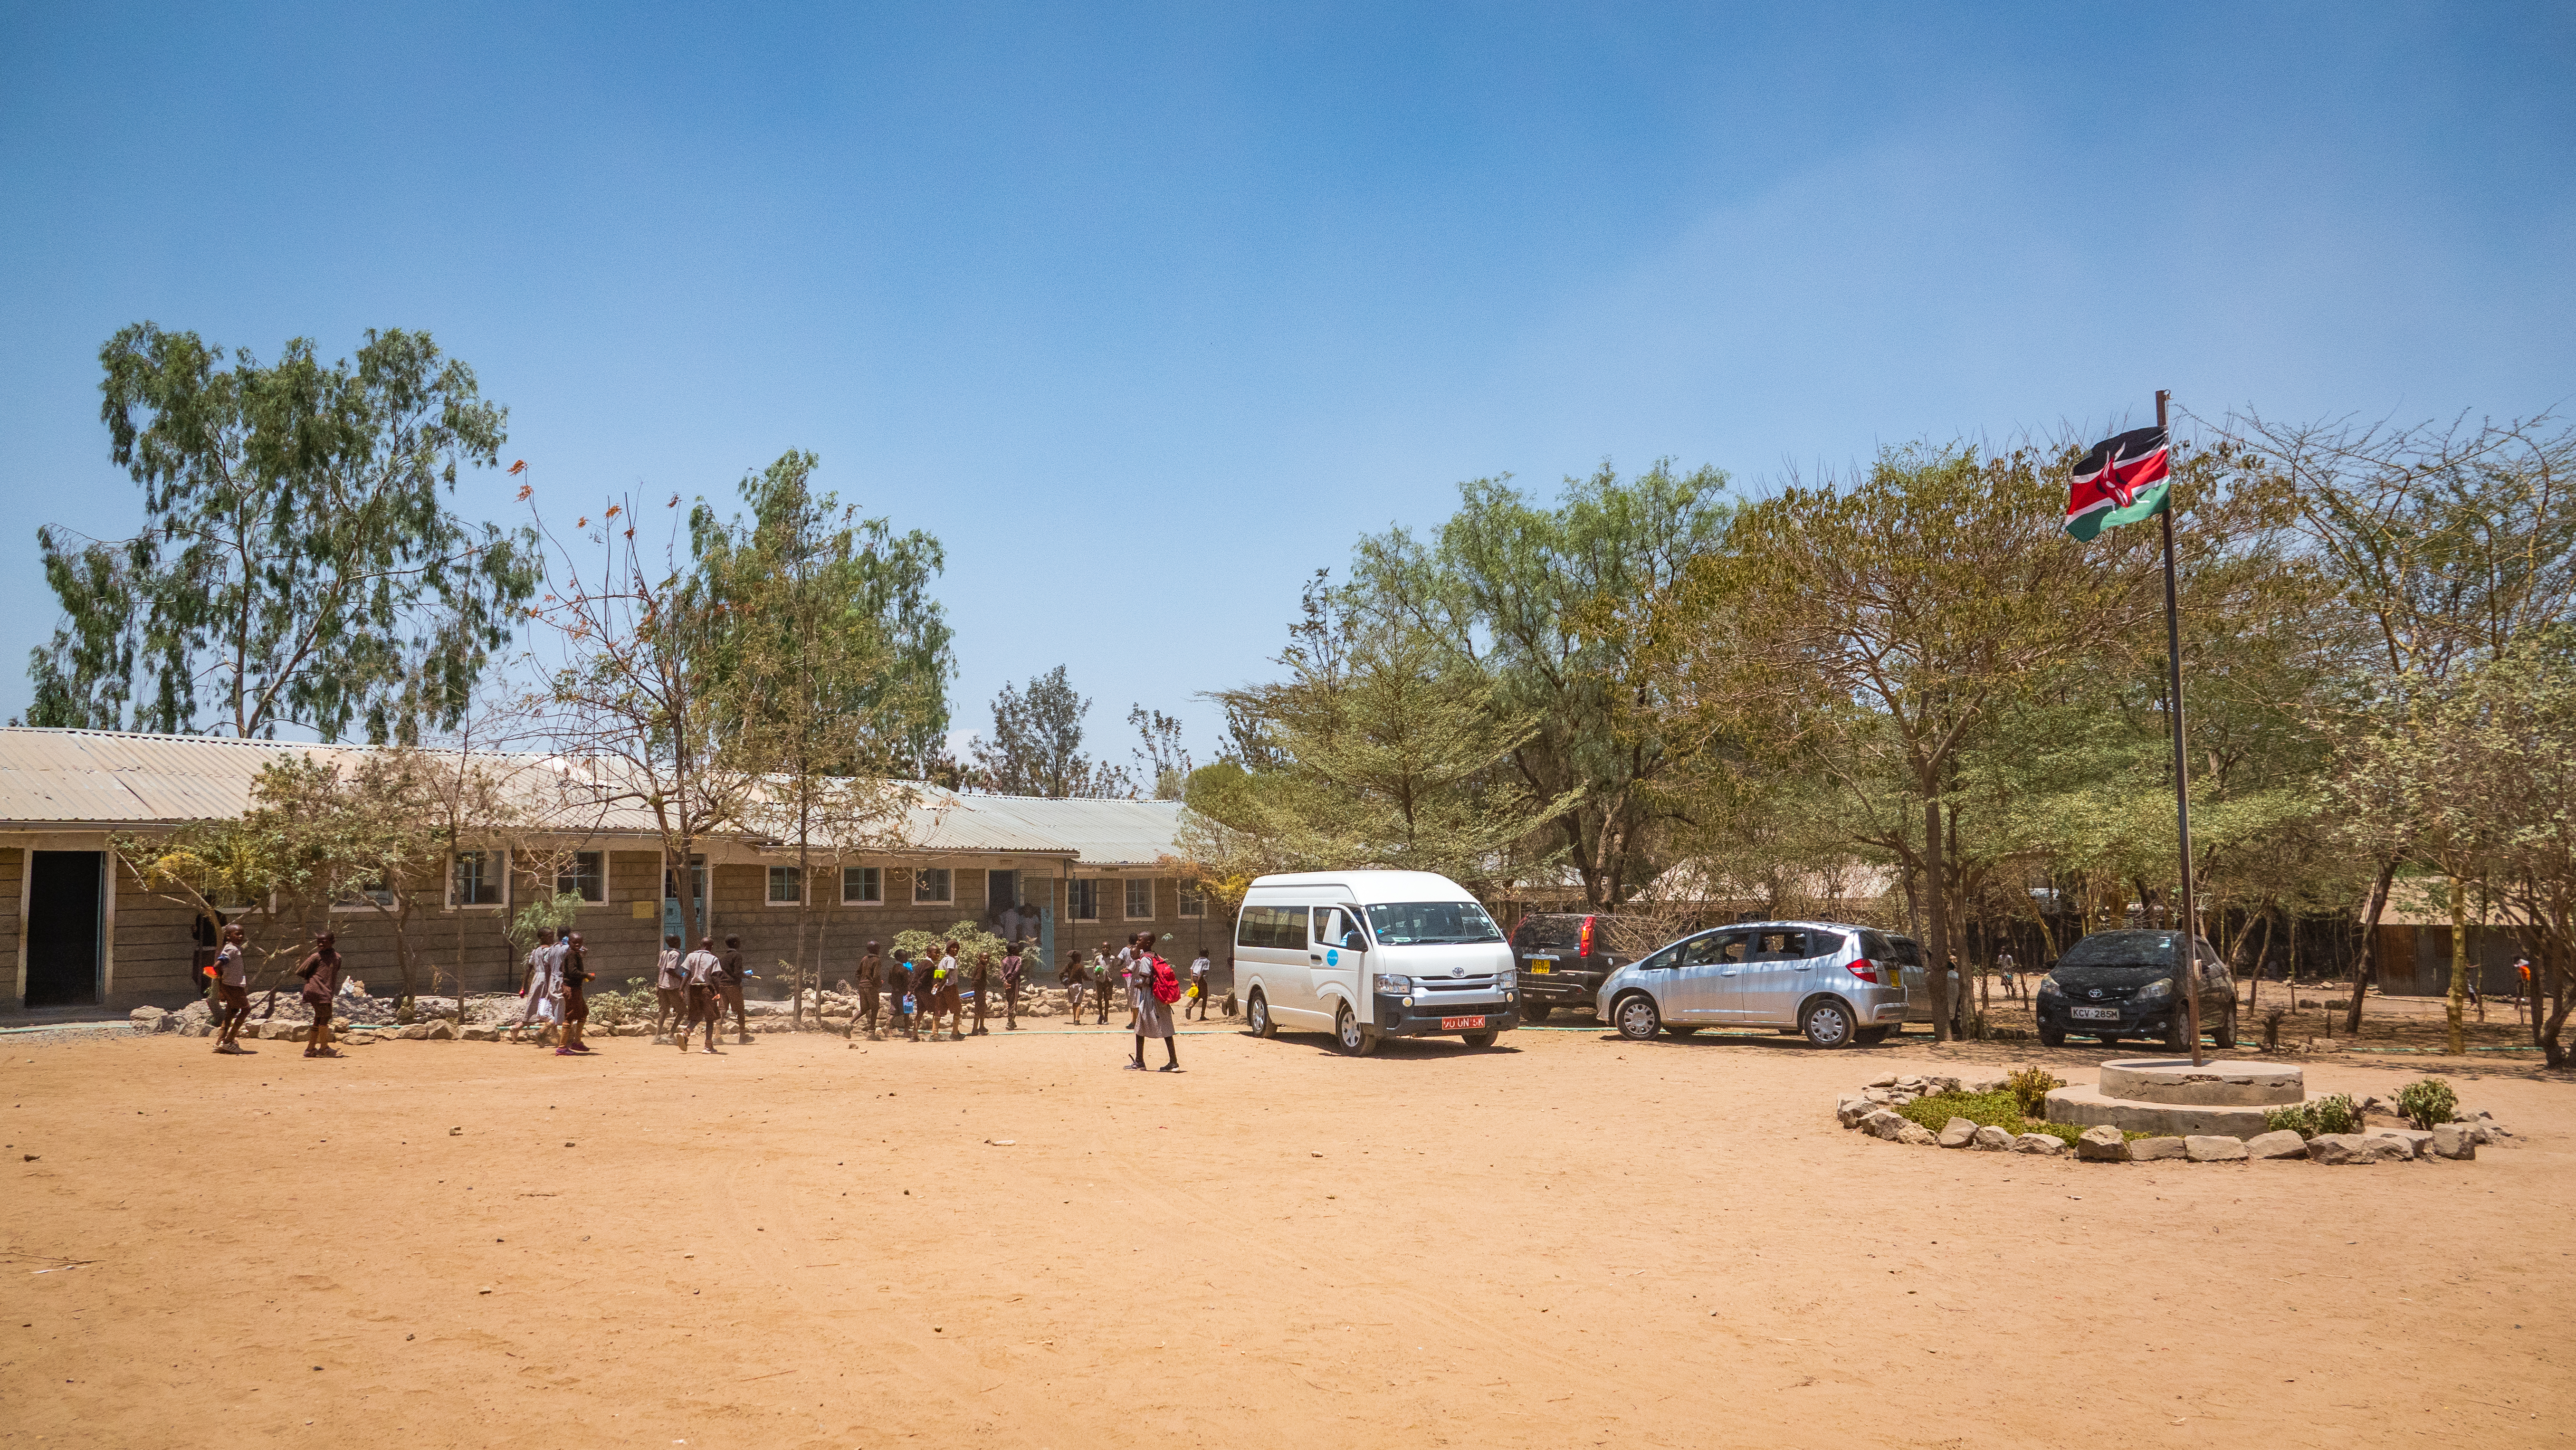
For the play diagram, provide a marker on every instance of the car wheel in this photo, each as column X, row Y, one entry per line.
column 1478, row 1039
column 1827, row 1024
column 1533, row 1011
column 2177, row 1031
column 1356, row 1040
column 2227, row 1029
column 1636, row 1018
column 2052, row 1037
column 1258, row 1015
column 1683, row 1031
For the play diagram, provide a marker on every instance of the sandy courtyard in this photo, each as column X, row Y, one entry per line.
column 1574, row 1242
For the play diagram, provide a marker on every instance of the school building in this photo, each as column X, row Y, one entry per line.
column 83, row 931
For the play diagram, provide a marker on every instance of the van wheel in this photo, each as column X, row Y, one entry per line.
column 1356, row 1040
column 1478, row 1039
column 1636, row 1017
column 1827, row 1024
column 1533, row 1011
column 1258, row 1015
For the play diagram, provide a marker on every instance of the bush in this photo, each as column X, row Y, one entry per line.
column 2334, row 1114
column 2030, row 1088
column 1988, row 1110
column 2428, row 1102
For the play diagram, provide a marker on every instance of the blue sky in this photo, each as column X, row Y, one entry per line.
column 1149, row 312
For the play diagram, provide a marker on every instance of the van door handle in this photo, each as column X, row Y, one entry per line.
column 1729, row 972
column 1314, row 957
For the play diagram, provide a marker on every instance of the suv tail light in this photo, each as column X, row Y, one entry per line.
column 1866, row 970
column 1584, row 946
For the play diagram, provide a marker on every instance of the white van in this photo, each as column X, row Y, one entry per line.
column 1368, row 955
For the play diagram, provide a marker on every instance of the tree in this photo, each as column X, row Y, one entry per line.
column 629, row 646
column 2444, row 546
column 1162, row 757
column 1890, row 616
column 1391, row 755
column 819, row 672
column 1527, row 598
column 297, row 565
column 1036, row 749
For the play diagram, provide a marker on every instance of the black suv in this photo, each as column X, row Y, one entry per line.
column 1562, row 959
column 2116, row 984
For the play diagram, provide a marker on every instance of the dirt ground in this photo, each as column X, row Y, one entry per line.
column 1568, row 1240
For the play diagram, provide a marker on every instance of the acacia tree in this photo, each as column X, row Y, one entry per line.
column 824, row 673
column 628, row 644
column 1889, row 616
column 298, row 564
column 2443, row 546
column 1036, row 747
column 1388, row 754
column 1524, row 598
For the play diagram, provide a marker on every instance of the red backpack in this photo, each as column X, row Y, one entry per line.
column 1167, row 983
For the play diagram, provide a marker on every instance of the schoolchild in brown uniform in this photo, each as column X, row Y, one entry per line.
column 945, row 979
column 706, row 994
column 735, row 973
column 1075, row 980
column 908, row 988
column 670, row 988
column 871, row 968
column 321, row 974
column 232, row 991
column 1013, row 965
column 983, row 989
column 573, row 971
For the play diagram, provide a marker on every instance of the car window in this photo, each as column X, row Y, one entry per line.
column 1662, row 959
column 1335, row 927
column 1409, row 923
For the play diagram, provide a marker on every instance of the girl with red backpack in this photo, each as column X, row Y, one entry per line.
column 1161, row 988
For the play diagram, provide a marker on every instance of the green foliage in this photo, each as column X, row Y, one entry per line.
column 971, row 937
column 635, row 1002
column 2030, row 1087
column 1036, row 749
column 2336, row 1114
column 296, row 558
column 1987, row 1110
column 2428, row 1102
column 1528, row 616
column 556, row 913
column 1386, row 754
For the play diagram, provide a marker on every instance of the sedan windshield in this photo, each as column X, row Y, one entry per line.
column 1431, row 923
column 2125, row 949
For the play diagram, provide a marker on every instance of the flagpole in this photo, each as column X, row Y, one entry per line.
column 2187, row 971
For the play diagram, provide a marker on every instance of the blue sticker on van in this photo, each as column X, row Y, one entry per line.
column 1332, row 956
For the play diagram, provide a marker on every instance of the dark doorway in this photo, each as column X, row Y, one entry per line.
column 62, row 927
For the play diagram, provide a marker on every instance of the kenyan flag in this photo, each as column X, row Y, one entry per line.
column 2121, row 481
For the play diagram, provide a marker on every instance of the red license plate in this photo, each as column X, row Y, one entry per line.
column 1460, row 1024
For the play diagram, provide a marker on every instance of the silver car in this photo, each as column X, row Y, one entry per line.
column 1831, row 982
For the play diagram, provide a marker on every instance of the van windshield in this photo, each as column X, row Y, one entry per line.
column 1429, row 923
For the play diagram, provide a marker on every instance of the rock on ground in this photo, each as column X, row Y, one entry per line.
column 2452, row 1140
column 2336, row 1149
column 1881, row 1123
column 2102, row 1143
column 2213, row 1148
column 1992, row 1140
column 1917, row 1134
column 2415, row 1139
column 1849, row 1111
column 2151, row 1150
column 2280, row 1143
column 1957, row 1133
column 2040, row 1143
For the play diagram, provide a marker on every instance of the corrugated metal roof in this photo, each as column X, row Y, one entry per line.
column 112, row 778
column 1099, row 833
